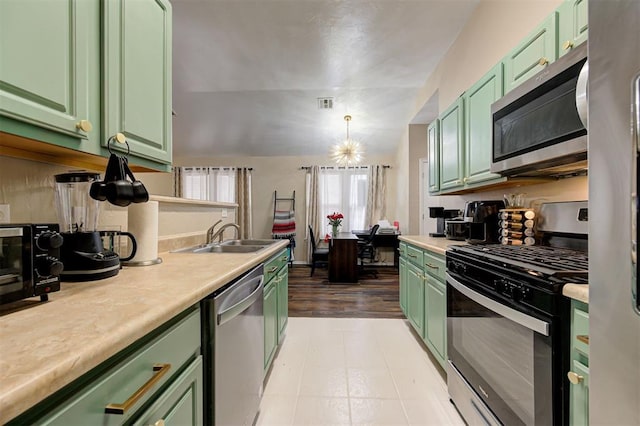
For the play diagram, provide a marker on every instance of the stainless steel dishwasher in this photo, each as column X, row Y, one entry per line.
column 233, row 350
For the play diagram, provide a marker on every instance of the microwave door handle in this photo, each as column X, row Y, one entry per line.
column 582, row 95
column 524, row 320
column 635, row 201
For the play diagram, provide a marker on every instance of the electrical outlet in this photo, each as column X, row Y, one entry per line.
column 5, row 213
column 224, row 212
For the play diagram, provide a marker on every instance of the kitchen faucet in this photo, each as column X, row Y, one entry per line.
column 211, row 230
column 220, row 231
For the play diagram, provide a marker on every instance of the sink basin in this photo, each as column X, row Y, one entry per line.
column 222, row 248
column 247, row 242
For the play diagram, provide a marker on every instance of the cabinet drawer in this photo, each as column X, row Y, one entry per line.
column 273, row 265
column 415, row 255
column 580, row 327
column 434, row 265
column 171, row 350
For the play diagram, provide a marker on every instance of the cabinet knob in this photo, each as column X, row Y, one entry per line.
column 465, row 180
column 567, row 45
column 159, row 423
column 574, row 378
column 84, row 125
column 120, row 137
column 543, row 61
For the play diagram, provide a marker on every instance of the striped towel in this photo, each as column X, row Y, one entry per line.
column 284, row 224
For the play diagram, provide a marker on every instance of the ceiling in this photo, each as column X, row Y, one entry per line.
column 247, row 73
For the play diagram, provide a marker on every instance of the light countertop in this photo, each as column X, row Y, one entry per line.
column 45, row 346
column 577, row 291
column 438, row 245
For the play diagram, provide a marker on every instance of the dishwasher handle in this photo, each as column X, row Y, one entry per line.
column 235, row 310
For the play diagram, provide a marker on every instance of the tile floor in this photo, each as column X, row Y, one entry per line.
column 335, row 371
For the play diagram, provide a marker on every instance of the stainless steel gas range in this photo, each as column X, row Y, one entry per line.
column 508, row 323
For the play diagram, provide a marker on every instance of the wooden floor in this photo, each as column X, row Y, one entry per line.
column 369, row 298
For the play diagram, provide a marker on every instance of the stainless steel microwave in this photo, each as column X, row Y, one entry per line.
column 540, row 127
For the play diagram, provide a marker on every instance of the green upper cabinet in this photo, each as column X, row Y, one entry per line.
column 49, row 68
column 433, row 141
column 137, row 76
column 572, row 28
column 534, row 53
column 452, row 146
column 478, row 126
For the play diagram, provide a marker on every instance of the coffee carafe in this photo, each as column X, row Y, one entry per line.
column 82, row 253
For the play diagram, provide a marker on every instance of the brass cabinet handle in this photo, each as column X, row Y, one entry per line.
column 567, row 45
column 159, row 423
column 574, row 378
column 160, row 371
column 284, row 258
column 431, row 266
column 84, row 125
column 543, row 61
column 120, row 137
column 272, row 269
column 583, row 338
column 412, row 255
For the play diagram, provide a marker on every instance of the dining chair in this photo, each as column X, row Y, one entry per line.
column 319, row 255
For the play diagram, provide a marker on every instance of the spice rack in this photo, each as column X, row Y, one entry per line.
column 517, row 226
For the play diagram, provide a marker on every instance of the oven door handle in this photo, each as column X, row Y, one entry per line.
column 525, row 320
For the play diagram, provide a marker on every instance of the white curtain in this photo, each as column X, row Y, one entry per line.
column 376, row 195
column 342, row 190
column 313, row 206
column 208, row 183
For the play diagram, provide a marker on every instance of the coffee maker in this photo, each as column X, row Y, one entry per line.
column 441, row 214
column 82, row 252
column 482, row 218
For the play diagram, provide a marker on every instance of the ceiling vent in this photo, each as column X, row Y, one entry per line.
column 325, row 103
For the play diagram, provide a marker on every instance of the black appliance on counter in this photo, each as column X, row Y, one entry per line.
column 29, row 261
column 483, row 218
column 441, row 214
column 508, row 324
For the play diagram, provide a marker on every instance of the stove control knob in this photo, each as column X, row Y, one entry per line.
column 49, row 266
column 49, row 240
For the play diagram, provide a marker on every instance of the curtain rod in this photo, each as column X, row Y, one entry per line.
column 343, row 167
column 213, row 168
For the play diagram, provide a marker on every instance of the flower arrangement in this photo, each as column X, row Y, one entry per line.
column 335, row 220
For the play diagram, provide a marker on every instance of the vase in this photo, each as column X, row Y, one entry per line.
column 334, row 230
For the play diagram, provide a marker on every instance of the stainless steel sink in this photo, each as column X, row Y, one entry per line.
column 229, row 246
column 247, row 242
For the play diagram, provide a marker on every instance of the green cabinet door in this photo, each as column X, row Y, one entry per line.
column 534, row 53
column 415, row 297
column 403, row 285
column 270, row 310
column 433, row 140
column 478, row 126
column 137, row 76
column 452, row 146
column 49, row 76
column 572, row 25
column 579, row 395
column 181, row 404
column 436, row 318
column 283, row 300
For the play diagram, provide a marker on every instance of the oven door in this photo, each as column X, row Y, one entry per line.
column 503, row 354
column 15, row 264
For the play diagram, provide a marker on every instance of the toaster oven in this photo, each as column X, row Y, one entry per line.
column 29, row 261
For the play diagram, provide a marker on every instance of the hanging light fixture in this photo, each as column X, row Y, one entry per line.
column 348, row 152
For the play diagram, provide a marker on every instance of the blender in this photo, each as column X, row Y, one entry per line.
column 82, row 252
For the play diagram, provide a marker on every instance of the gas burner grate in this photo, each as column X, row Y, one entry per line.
column 549, row 260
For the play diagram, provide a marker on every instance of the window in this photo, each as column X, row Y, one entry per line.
column 208, row 183
column 343, row 191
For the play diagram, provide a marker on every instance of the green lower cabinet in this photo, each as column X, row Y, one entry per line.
column 270, row 310
column 435, row 313
column 181, row 403
column 532, row 55
column 283, row 301
column 578, row 375
column 572, row 25
column 415, row 297
column 403, row 286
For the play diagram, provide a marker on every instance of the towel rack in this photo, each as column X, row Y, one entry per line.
column 291, row 199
